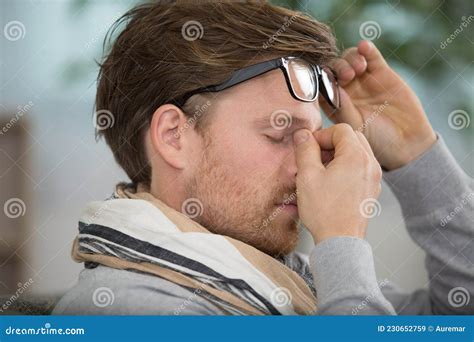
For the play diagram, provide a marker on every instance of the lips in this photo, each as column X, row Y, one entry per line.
column 288, row 198
column 293, row 202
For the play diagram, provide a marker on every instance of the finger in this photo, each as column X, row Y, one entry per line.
column 344, row 72
column 365, row 144
column 347, row 113
column 339, row 138
column 308, row 152
column 328, row 110
column 372, row 55
column 355, row 60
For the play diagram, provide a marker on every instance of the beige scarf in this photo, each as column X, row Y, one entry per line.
column 136, row 231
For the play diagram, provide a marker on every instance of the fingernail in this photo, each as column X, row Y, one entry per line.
column 300, row 136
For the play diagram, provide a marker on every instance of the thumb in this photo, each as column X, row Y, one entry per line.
column 348, row 113
column 308, row 152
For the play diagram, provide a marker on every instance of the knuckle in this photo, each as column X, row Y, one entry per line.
column 349, row 52
column 360, row 134
column 376, row 177
column 344, row 128
column 358, row 59
column 378, row 171
column 335, row 63
column 358, row 157
column 340, row 64
column 376, row 174
column 363, row 157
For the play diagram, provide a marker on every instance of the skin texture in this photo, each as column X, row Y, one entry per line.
column 382, row 106
column 236, row 172
column 351, row 181
column 238, row 178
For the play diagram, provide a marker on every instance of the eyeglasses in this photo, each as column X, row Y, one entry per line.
column 304, row 80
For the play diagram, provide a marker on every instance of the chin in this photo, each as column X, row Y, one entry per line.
column 282, row 243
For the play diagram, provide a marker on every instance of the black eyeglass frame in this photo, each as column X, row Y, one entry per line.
column 258, row 69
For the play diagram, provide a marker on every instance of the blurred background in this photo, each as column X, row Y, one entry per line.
column 51, row 165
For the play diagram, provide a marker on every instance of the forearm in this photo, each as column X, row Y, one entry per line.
column 436, row 198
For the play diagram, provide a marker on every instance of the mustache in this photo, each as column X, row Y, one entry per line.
column 289, row 194
column 286, row 196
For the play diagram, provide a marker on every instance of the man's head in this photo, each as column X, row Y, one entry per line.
column 216, row 151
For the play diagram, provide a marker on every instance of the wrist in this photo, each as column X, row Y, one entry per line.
column 411, row 152
column 321, row 237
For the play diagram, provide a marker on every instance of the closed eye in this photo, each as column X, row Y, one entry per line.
column 275, row 141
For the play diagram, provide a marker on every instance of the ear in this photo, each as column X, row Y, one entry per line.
column 166, row 128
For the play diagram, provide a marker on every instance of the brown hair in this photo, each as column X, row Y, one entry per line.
column 171, row 47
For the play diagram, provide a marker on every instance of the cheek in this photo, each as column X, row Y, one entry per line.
column 252, row 155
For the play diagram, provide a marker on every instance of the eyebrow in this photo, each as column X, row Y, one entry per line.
column 296, row 122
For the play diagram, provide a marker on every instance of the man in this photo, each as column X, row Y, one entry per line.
column 215, row 110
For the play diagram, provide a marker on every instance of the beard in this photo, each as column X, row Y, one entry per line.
column 241, row 207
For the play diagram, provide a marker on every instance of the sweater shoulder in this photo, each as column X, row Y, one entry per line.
column 107, row 291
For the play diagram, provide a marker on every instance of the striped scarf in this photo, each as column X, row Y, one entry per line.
column 135, row 231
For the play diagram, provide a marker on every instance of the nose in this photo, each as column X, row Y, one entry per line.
column 291, row 168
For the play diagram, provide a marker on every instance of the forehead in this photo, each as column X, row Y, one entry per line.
column 262, row 100
column 280, row 105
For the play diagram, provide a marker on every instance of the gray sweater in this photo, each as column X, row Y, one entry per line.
column 436, row 197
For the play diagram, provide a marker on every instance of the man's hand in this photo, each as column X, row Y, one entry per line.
column 330, row 197
column 377, row 102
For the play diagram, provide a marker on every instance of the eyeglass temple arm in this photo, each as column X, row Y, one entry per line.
column 247, row 73
column 237, row 77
